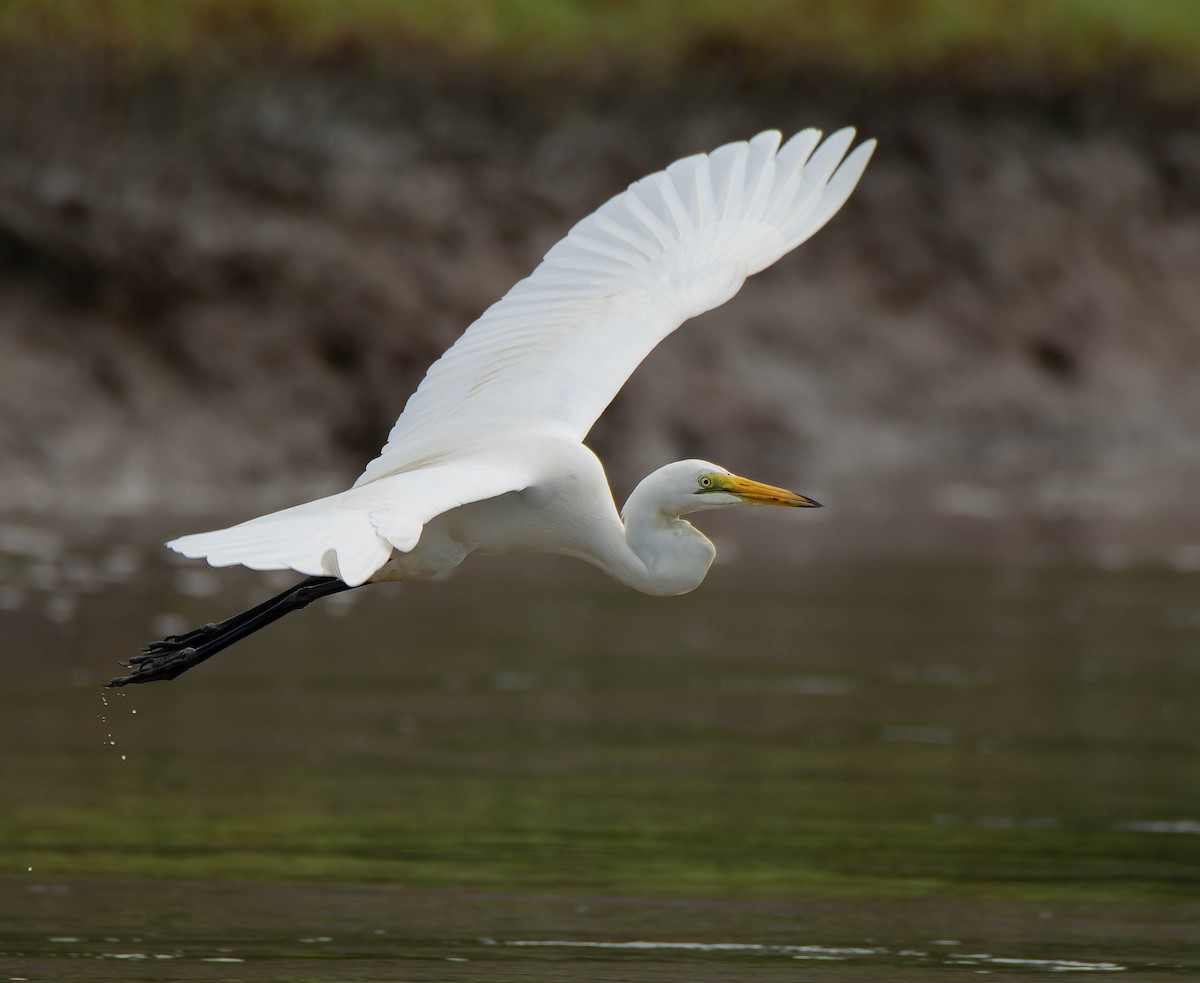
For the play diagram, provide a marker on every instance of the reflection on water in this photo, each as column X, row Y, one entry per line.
column 934, row 955
column 824, row 953
column 901, row 766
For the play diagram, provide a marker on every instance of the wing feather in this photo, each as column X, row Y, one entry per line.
column 561, row 343
column 351, row 534
column 551, row 354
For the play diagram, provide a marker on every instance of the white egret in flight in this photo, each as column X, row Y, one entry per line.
column 487, row 456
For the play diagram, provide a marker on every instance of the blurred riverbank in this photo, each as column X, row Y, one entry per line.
column 217, row 288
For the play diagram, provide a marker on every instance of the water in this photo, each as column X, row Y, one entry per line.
column 840, row 769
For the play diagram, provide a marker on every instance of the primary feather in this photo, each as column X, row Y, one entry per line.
column 561, row 343
column 556, row 349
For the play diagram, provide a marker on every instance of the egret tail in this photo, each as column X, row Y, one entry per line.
column 176, row 654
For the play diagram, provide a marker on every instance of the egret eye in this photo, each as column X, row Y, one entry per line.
column 706, row 482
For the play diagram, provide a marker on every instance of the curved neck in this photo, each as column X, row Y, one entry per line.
column 658, row 553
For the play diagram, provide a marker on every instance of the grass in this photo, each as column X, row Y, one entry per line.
column 1026, row 38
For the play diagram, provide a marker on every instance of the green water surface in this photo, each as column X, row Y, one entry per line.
column 926, row 769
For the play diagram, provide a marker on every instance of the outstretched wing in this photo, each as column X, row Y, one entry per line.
column 552, row 353
column 560, row 344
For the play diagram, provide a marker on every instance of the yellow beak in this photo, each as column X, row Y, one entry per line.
column 756, row 493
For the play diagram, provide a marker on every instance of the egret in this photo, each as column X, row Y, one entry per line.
column 488, row 454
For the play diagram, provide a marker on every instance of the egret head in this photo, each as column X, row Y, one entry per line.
column 692, row 486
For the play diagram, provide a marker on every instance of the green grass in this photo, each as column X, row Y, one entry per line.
column 1026, row 38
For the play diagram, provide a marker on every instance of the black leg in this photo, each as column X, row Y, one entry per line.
column 173, row 643
column 176, row 654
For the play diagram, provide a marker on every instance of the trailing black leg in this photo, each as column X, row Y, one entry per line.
column 175, row 654
column 173, row 643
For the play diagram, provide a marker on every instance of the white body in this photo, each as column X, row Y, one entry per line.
column 569, row 512
column 488, row 456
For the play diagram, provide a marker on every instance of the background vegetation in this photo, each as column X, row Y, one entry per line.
column 1030, row 39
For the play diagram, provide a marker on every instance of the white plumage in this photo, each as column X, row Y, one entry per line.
column 487, row 455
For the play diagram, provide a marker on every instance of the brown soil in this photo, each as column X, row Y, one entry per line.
column 219, row 289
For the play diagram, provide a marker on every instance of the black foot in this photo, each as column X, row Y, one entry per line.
column 173, row 643
column 176, row 654
column 151, row 666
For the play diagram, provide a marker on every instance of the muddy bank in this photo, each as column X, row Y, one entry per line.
column 216, row 292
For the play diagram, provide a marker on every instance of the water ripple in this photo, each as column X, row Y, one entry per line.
column 831, row 953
